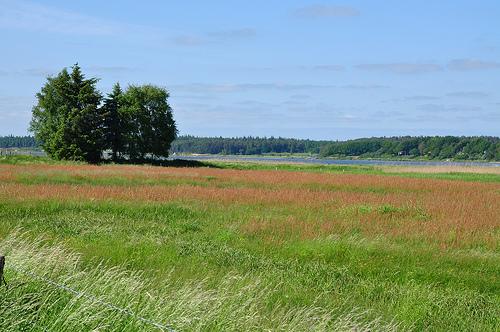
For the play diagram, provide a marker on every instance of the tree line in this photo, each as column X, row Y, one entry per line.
column 73, row 120
column 244, row 145
column 17, row 142
column 428, row 147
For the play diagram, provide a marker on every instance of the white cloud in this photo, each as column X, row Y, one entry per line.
column 233, row 34
column 41, row 18
column 329, row 67
column 45, row 72
column 401, row 68
column 437, row 108
column 189, row 40
column 215, row 37
column 16, row 110
column 242, row 87
column 471, row 64
column 28, row 72
column 416, row 98
column 110, row 69
column 364, row 86
column 420, row 98
column 199, row 87
column 468, row 94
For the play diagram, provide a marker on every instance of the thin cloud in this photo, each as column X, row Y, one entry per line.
column 471, row 65
column 318, row 68
column 193, row 97
column 226, row 88
column 41, row 72
column 300, row 96
column 468, row 94
column 243, row 87
column 41, row 18
column 385, row 114
column 437, row 108
column 329, row 67
column 188, row 40
column 416, row 98
column 111, row 69
column 44, row 72
column 401, row 68
column 15, row 100
column 363, row 86
column 325, row 11
column 420, row 98
column 294, row 102
column 491, row 116
column 233, row 34
column 16, row 106
column 215, row 37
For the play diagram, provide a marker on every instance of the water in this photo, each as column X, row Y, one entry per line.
column 312, row 160
column 21, row 151
column 306, row 160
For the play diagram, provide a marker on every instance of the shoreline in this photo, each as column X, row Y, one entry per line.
column 337, row 161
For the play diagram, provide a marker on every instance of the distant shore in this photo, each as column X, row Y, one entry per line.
column 335, row 161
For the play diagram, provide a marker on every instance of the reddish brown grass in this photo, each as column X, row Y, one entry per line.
column 441, row 169
column 452, row 213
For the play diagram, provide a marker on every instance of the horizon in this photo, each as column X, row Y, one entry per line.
column 309, row 139
column 300, row 69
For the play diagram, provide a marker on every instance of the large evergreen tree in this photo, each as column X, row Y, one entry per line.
column 70, row 122
column 67, row 120
column 113, row 123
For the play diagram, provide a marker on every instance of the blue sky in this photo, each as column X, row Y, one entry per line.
column 321, row 70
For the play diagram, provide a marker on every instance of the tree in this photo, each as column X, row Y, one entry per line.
column 67, row 120
column 148, row 123
column 113, row 124
column 70, row 123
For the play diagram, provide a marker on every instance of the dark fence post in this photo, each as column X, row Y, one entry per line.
column 2, row 265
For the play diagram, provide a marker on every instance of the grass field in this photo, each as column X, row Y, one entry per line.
column 242, row 246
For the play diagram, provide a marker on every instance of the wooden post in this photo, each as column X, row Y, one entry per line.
column 2, row 265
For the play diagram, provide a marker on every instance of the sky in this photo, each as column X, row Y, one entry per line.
column 305, row 69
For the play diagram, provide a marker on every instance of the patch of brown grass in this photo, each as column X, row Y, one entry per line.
column 451, row 213
column 441, row 169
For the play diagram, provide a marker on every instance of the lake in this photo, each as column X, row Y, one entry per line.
column 312, row 160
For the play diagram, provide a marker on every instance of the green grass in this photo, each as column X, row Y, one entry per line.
column 187, row 263
column 234, row 304
column 26, row 160
column 355, row 169
column 414, row 285
column 335, row 169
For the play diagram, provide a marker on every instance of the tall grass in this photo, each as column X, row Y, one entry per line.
column 450, row 213
column 31, row 303
column 250, row 249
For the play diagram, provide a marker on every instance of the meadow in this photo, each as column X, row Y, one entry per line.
column 247, row 246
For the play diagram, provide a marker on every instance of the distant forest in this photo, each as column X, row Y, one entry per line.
column 18, row 142
column 428, row 147
column 245, row 145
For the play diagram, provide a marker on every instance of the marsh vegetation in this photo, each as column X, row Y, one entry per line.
column 249, row 246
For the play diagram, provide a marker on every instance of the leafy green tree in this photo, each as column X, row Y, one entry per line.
column 67, row 120
column 51, row 113
column 113, row 122
column 149, row 127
